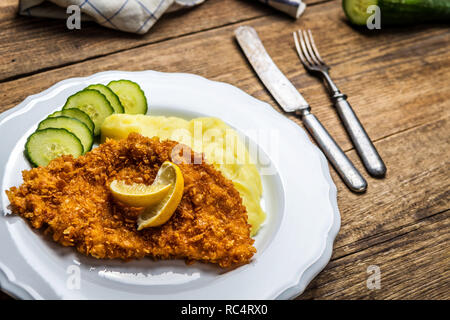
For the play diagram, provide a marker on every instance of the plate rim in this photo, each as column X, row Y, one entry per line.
column 11, row 286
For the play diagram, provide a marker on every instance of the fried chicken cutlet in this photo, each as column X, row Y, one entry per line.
column 70, row 199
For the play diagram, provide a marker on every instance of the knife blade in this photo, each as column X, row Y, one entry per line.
column 290, row 100
column 275, row 81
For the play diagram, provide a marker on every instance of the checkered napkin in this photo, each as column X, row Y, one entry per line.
column 136, row 16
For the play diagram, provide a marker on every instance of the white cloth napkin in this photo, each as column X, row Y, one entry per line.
column 136, row 16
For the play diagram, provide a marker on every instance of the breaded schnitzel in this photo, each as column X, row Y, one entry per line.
column 71, row 199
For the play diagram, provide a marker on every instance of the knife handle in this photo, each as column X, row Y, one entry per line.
column 351, row 176
column 365, row 148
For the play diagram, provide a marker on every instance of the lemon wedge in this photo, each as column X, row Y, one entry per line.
column 137, row 194
column 157, row 214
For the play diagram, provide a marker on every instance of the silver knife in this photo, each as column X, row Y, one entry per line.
column 291, row 100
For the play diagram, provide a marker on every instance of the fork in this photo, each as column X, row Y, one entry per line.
column 313, row 62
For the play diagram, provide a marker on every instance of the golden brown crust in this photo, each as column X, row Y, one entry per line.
column 70, row 198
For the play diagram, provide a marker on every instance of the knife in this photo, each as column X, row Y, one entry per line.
column 291, row 100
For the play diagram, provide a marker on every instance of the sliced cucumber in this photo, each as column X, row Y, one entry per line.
column 131, row 96
column 77, row 114
column 45, row 145
column 110, row 95
column 93, row 103
column 78, row 128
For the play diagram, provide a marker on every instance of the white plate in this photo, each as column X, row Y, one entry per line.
column 294, row 244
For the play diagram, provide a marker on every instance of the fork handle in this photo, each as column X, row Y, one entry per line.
column 364, row 146
column 349, row 174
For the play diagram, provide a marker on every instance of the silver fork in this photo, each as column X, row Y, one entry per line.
column 313, row 62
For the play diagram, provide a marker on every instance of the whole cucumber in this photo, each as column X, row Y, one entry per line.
column 398, row 12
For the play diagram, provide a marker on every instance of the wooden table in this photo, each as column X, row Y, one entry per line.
column 398, row 81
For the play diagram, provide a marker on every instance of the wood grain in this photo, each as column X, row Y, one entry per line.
column 48, row 43
column 403, row 203
column 413, row 260
column 397, row 82
column 417, row 185
column 8, row 10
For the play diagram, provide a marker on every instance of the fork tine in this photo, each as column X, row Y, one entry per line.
column 299, row 50
column 304, row 49
column 313, row 45
column 309, row 48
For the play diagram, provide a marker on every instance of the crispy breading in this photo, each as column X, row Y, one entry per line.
column 71, row 200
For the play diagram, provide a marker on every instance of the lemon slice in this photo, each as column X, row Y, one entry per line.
column 137, row 194
column 158, row 214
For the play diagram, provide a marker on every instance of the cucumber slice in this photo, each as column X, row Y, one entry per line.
column 76, row 114
column 45, row 145
column 110, row 95
column 93, row 103
column 78, row 128
column 131, row 96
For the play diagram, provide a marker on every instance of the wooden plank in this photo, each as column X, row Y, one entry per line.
column 416, row 187
column 33, row 44
column 8, row 9
column 30, row 45
column 413, row 264
column 401, row 224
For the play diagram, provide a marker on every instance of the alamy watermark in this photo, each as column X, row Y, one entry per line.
column 374, row 280
column 374, row 20
column 73, row 281
column 74, row 19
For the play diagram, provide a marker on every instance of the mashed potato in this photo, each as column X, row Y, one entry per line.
column 220, row 144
